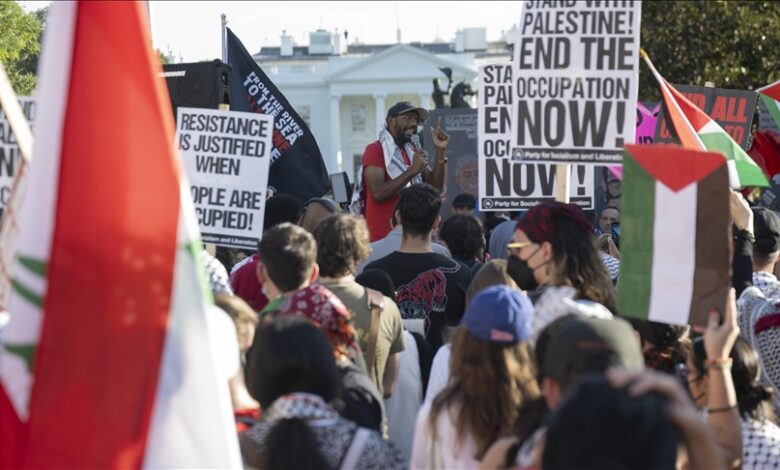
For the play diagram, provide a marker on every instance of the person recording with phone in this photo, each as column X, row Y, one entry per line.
column 394, row 161
column 609, row 231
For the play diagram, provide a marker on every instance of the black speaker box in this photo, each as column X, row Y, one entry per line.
column 198, row 84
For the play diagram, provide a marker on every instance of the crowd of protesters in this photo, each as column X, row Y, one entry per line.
column 377, row 347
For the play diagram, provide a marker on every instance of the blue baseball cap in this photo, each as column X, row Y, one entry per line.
column 499, row 314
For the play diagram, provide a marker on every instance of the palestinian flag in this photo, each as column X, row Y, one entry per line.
column 107, row 361
column 697, row 131
column 675, row 219
column 770, row 95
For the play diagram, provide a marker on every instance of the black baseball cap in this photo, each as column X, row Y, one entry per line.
column 464, row 199
column 405, row 107
column 766, row 228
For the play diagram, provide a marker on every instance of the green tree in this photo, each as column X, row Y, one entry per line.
column 20, row 44
column 731, row 43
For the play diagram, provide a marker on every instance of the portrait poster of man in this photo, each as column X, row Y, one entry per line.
column 462, row 176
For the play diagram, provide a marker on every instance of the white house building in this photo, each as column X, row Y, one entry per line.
column 343, row 92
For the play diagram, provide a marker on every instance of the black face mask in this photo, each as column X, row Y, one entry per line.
column 521, row 273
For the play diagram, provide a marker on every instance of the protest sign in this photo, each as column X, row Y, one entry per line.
column 505, row 182
column 731, row 109
column 226, row 155
column 576, row 81
column 646, row 121
column 461, row 125
column 297, row 167
column 10, row 157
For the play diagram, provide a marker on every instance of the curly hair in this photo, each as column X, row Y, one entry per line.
column 464, row 237
column 488, row 382
column 342, row 242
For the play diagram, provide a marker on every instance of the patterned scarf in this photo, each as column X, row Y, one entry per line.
column 331, row 316
column 299, row 405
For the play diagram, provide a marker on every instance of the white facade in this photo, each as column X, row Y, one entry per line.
column 344, row 97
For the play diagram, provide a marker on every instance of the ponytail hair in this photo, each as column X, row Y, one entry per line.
column 754, row 399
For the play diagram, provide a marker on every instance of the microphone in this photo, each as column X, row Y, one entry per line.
column 416, row 141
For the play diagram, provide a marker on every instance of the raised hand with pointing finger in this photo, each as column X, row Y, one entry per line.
column 440, row 140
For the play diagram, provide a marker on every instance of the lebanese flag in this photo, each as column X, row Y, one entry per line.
column 674, row 266
column 107, row 361
column 770, row 95
column 697, row 131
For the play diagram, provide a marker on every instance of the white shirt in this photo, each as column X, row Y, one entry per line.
column 450, row 454
column 440, row 372
column 391, row 243
column 403, row 406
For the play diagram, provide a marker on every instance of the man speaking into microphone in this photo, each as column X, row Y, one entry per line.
column 396, row 160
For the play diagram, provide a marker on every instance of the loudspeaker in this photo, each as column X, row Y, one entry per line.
column 198, row 84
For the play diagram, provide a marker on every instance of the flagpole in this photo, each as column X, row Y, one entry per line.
column 666, row 92
column 224, row 38
column 13, row 111
column 562, row 182
column 759, row 90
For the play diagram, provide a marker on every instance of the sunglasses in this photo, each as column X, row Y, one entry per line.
column 517, row 246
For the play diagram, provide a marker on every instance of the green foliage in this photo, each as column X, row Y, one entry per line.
column 164, row 58
column 20, row 44
column 735, row 44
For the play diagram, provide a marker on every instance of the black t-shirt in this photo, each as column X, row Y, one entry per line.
column 429, row 287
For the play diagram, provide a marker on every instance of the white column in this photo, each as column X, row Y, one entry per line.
column 425, row 100
column 333, row 161
column 379, row 111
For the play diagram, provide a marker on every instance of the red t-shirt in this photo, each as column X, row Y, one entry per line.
column 378, row 214
column 246, row 285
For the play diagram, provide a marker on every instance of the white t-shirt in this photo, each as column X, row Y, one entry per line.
column 440, row 373
column 403, row 405
column 444, row 452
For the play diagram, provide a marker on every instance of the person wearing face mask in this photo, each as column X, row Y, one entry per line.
column 553, row 245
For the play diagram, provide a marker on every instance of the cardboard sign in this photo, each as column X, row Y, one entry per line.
column 731, row 109
column 10, row 157
column 576, row 81
column 506, row 182
column 227, row 155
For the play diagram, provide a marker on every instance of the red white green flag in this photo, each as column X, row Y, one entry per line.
column 697, row 131
column 106, row 361
column 770, row 96
column 674, row 217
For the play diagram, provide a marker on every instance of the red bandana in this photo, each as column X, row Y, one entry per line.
column 320, row 305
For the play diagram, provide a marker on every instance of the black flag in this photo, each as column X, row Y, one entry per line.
column 296, row 162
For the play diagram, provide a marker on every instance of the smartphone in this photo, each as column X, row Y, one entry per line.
column 616, row 233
